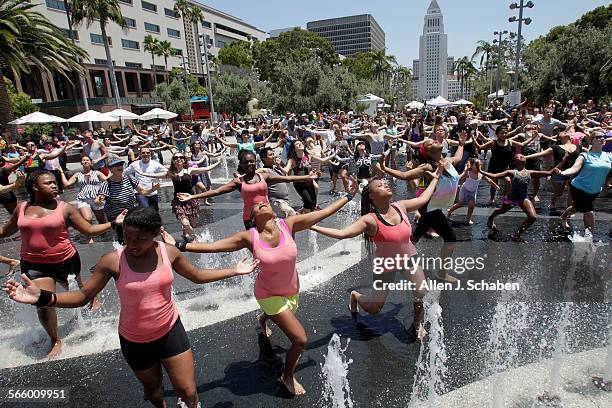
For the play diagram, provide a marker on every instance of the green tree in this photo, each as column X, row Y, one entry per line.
column 21, row 103
column 174, row 95
column 465, row 69
column 232, row 93
column 361, row 64
column 27, row 39
column 164, row 49
column 195, row 89
column 292, row 46
column 151, row 45
column 103, row 12
column 383, row 64
column 597, row 18
column 237, row 53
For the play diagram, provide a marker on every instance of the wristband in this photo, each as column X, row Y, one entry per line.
column 181, row 245
column 349, row 197
column 113, row 224
column 44, row 298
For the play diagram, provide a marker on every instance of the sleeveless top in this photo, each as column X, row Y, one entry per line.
column 278, row 275
column 147, row 309
column 45, row 240
column 363, row 164
column 182, row 184
column 471, row 184
column 94, row 153
column 89, row 185
column 446, row 189
column 519, row 186
column 249, row 192
column 501, row 157
column 392, row 240
column 559, row 153
column 302, row 168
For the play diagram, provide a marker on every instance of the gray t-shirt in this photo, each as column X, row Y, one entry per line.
column 151, row 167
column 548, row 127
column 278, row 191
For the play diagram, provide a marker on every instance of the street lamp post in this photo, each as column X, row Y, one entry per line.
column 499, row 59
column 520, row 20
column 204, row 39
column 185, row 64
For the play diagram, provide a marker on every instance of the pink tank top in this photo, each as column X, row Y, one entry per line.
column 278, row 275
column 45, row 240
column 249, row 192
column 392, row 240
column 147, row 309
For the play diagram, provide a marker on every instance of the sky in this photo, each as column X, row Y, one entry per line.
column 465, row 21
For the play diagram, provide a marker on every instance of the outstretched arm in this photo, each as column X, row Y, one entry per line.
column 232, row 243
column 415, row 203
column 362, row 225
column 226, row 188
column 507, row 173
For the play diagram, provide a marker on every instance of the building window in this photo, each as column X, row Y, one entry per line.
column 206, row 24
column 154, row 28
column 177, row 52
column 132, row 45
column 133, row 65
column 56, row 5
column 130, row 22
column 171, row 13
column 174, row 33
column 98, row 85
column 220, row 44
column 126, row 2
column 100, row 61
column 149, row 6
column 73, row 35
column 97, row 39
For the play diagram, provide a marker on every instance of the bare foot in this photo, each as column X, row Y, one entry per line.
column 293, row 386
column 55, row 350
column 469, row 222
column 263, row 322
column 95, row 304
column 208, row 203
column 491, row 225
column 447, row 278
column 12, row 267
column 565, row 223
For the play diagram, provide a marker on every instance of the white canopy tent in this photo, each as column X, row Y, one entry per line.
column 461, row 102
column 371, row 101
column 494, row 95
column 123, row 114
column 92, row 116
column 415, row 105
column 158, row 113
column 439, row 101
column 37, row 117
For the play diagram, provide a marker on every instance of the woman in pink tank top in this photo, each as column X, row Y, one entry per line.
column 277, row 285
column 47, row 254
column 250, row 185
column 386, row 225
column 150, row 330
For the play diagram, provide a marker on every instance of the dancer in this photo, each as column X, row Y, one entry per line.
column 470, row 179
column 277, row 284
column 89, row 181
column 150, row 329
column 591, row 169
column 250, row 185
column 7, row 197
column 187, row 212
column 521, row 178
column 386, row 224
column 47, row 254
column 431, row 213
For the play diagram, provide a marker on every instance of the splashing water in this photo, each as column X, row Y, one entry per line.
column 225, row 166
column 431, row 368
column 312, row 240
column 76, row 312
column 334, row 371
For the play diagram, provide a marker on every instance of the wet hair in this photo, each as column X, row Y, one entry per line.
column 263, row 153
column 144, row 218
column 367, row 206
column 32, row 180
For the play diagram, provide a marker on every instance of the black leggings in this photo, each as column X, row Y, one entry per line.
column 308, row 194
column 437, row 221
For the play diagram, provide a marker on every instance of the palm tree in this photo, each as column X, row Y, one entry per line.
column 188, row 15
column 28, row 39
column 483, row 50
column 104, row 11
column 164, row 49
column 463, row 65
column 150, row 45
column 382, row 64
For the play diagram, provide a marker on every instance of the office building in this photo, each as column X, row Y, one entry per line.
column 276, row 33
column 350, row 34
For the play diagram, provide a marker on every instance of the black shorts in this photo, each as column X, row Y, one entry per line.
column 437, row 221
column 141, row 356
column 534, row 164
column 58, row 272
column 583, row 201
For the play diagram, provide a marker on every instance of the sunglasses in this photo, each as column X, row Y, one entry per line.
column 178, row 158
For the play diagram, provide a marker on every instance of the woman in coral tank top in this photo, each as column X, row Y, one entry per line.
column 386, row 225
column 277, row 285
column 47, row 254
column 150, row 330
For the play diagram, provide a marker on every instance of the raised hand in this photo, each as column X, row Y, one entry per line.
column 353, row 185
column 27, row 294
column 244, row 267
column 166, row 237
column 121, row 217
column 184, row 196
column 314, row 174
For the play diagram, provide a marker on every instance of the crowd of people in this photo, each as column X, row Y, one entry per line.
column 445, row 154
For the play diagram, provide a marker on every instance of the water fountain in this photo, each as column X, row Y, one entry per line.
column 431, row 369
column 336, row 391
column 312, row 240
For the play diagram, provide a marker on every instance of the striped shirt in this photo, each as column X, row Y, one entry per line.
column 89, row 185
column 120, row 195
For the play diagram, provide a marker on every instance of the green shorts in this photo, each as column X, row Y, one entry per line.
column 274, row 305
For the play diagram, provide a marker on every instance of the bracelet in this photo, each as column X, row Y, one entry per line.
column 113, row 224
column 349, row 197
column 181, row 245
column 44, row 298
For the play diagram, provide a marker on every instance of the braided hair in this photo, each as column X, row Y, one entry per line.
column 32, row 180
column 367, row 206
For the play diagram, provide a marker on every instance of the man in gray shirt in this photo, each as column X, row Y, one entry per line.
column 278, row 193
column 146, row 165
